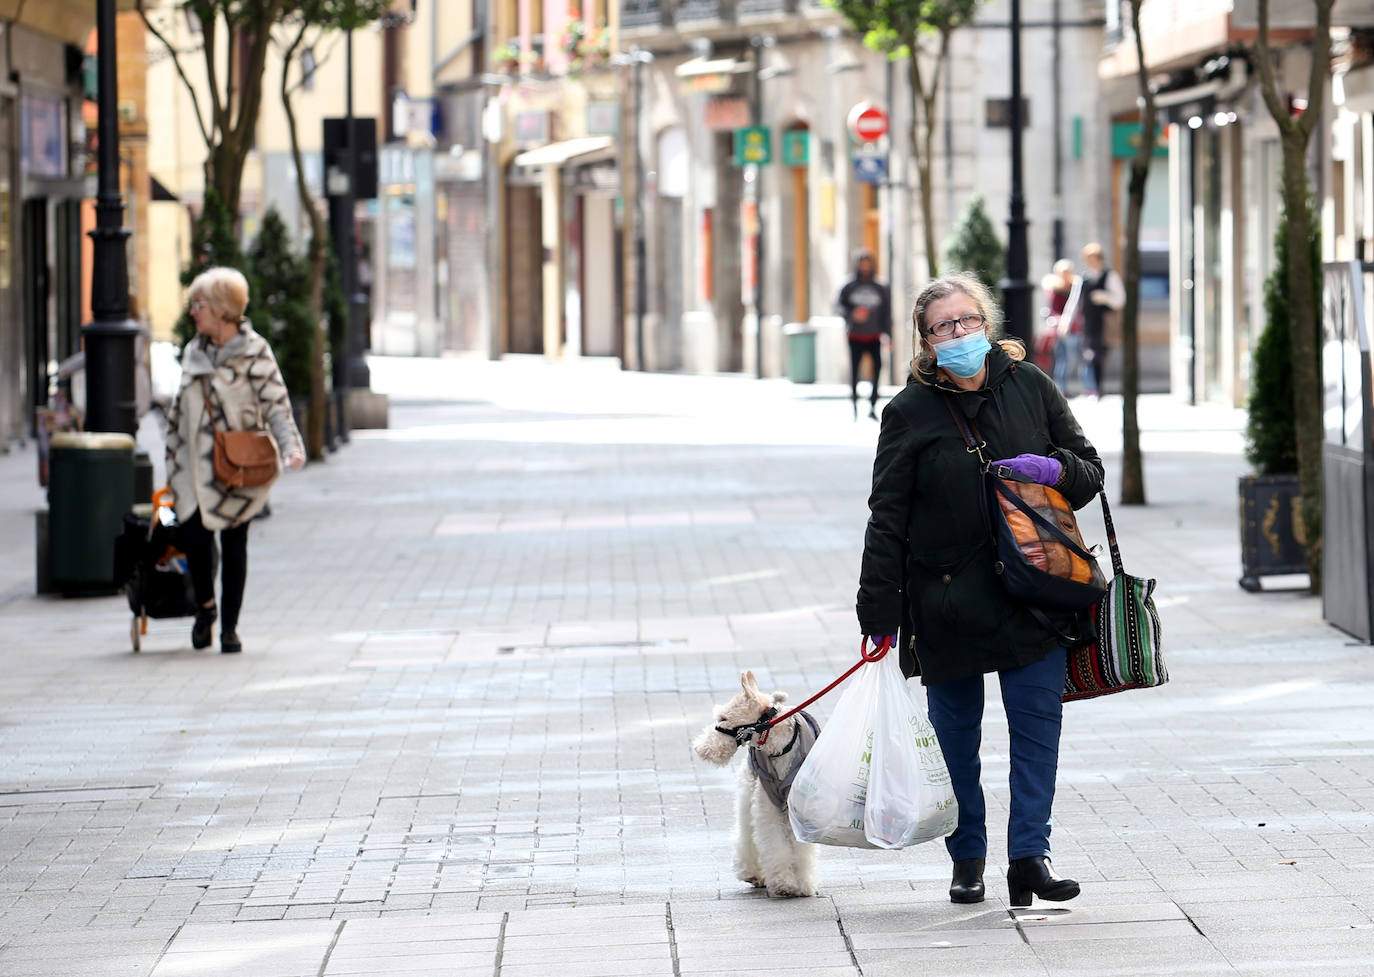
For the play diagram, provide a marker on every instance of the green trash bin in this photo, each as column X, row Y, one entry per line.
column 801, row 352
column 90, row 487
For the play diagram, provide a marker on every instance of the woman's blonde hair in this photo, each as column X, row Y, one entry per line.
column 923, row 366
column 224, row 290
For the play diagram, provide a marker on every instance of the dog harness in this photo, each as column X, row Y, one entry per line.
column 742, row 733
column 804, row 734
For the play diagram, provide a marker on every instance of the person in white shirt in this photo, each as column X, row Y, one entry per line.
column 1105, row 293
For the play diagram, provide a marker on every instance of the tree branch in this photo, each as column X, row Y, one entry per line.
column 1269, row 87
column 248, row 105
column 1321, row 66
column 210, row 29
column 181, row 71
column 1147, row 120
column 321, row 61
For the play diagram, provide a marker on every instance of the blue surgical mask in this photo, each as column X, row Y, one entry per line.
column 964, row 356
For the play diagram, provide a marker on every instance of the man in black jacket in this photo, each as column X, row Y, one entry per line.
column 866, row 305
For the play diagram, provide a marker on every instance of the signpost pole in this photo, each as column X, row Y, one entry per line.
column 756, row 119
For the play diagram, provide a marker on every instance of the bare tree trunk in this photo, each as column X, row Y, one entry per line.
column 1302, row 332
column 1295, row 133
column 919, row 135
column 316, row 257
column 1132, row 464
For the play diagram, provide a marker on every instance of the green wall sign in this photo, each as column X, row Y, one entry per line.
column 796, row 148
column 753, row 144
column 1126, row 140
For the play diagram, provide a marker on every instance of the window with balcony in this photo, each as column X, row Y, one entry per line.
column 641, row 13
column 760, row 8
column 690, row 10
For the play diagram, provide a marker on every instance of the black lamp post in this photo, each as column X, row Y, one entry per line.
column 1016, row 289
column 110, row 338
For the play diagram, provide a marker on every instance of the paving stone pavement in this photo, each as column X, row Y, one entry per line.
column 477, row 645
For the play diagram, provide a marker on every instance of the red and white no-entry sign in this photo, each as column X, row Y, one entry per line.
column 867, row 122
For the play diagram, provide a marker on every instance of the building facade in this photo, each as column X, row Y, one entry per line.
column 794, row 69
column 1222, row 191
column 42, row 163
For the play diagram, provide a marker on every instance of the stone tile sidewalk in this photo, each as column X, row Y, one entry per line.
column 477, row 645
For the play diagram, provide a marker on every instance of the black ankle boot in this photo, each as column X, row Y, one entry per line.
column 205, row 621
column 1034, row 875
column 967, row 885
column 229, row 643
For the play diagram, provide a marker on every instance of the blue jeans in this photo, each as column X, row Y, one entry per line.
column 1031, row 697
column 1067, row 355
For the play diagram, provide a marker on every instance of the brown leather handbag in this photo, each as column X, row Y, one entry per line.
column 242, row 459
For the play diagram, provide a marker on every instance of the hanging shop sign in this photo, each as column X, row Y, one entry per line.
column 726, row 113
column 603, row 117
column 796, row 148
column 753, row 145
column 532, row 128
column 1126, row 140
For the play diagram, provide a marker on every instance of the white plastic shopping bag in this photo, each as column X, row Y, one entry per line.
column 910, row 797
column 877, row 737
column 826, row 805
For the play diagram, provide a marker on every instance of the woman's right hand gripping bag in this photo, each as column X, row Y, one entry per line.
column 876, row 777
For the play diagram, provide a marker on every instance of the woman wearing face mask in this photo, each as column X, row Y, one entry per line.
column 229, row 381
column 929, row 568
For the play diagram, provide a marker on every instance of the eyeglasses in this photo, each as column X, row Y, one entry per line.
column 945, row 327
column 196, row 306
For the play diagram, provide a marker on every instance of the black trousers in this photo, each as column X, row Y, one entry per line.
column 198, row 543
column 858, row 349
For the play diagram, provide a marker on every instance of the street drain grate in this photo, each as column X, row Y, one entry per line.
column 598, row 648
column 75, row 795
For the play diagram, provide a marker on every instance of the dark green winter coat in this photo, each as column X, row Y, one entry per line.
column 928, row 564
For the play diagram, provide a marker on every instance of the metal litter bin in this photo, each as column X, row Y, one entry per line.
column 801, row 352
column 90, row 487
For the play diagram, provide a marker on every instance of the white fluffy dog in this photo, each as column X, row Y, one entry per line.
column 767, row 853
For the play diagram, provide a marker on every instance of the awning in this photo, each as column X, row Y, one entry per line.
column 704, row 66
column 558, row 153
column 160, row 193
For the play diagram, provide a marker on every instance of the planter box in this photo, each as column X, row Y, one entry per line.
column 1271, row 532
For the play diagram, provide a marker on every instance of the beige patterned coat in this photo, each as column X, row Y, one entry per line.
column 246, row 385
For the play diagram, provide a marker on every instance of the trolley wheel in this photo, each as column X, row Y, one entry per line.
column 136, row 634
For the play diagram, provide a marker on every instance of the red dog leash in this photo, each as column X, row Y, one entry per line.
column 865, row 657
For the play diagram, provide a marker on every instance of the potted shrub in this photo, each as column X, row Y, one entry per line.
column 282, row 308
column 1271, row 527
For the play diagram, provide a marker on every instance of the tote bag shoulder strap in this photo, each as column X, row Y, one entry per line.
column 973, row 444
column 1117, row 568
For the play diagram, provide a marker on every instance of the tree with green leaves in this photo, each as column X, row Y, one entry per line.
column 232, row 52
column 1304, row 313
column 917, row 31
column 313, row 19
column 975, row 247
column 1132, row 462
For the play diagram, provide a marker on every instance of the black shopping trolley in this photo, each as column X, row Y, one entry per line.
column 157, row 580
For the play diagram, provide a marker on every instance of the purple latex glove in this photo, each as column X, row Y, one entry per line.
column 1038, row 468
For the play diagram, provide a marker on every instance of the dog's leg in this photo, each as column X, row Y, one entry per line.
column 747, row 867
column 785, row 862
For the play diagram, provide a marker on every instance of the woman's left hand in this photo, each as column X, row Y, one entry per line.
column 295, row 460
column 1038, row 468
